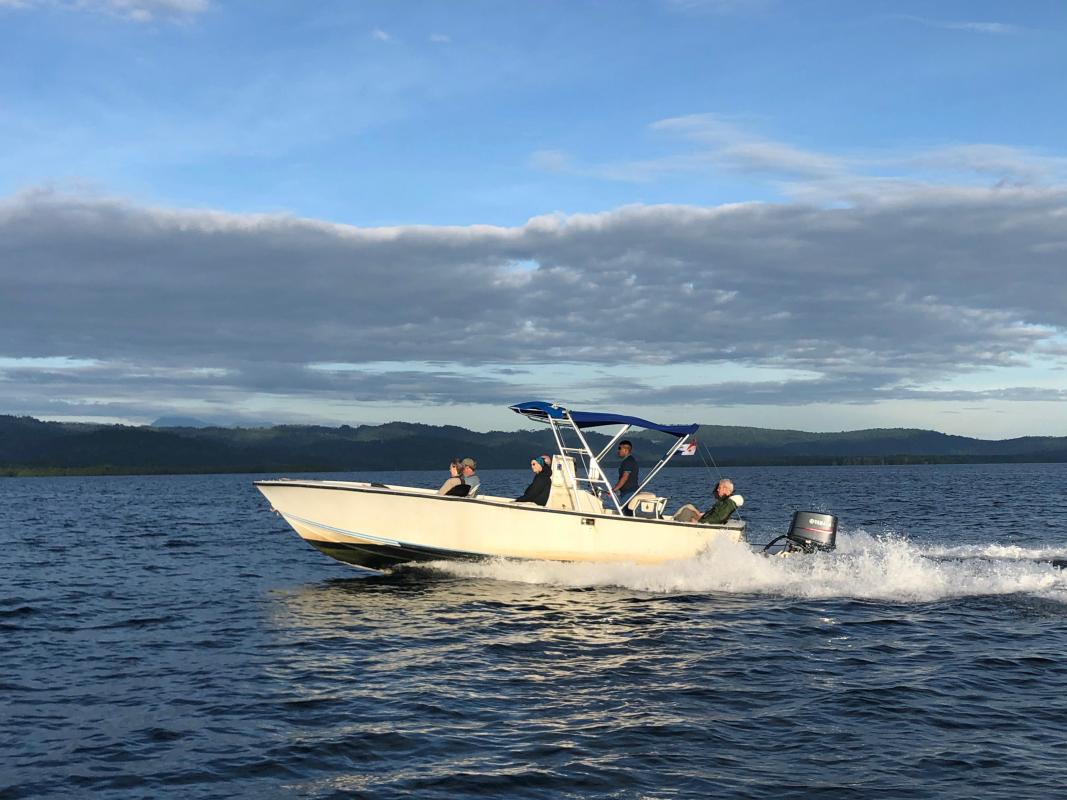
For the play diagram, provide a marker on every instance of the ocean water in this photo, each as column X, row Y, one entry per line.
column 170, row 637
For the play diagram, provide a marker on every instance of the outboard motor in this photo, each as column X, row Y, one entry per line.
column 809, row 532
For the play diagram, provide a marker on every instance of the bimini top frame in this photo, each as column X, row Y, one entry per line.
column 564, row 421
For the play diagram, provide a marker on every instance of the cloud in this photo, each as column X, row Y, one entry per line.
column 550, row 161
column 742, row 150
column 139, row 390
column 990, row 28
column 1005, row 164
column 136, row 10
column 720, row 6
column 440, row 38
column 839, row 389
column 381, row 35
column 147, row 10
column 712, row 144
column 873, row 300
column 718, row 144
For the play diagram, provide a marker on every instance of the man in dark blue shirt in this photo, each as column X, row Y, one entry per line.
column 628, row 476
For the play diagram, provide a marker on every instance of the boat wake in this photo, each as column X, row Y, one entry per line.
column 863, row 567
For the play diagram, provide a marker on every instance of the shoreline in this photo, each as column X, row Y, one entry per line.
column 843, row 461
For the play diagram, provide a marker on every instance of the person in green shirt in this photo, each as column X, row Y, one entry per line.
column 726, row 503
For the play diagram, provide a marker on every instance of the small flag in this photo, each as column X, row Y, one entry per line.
column 687, row 449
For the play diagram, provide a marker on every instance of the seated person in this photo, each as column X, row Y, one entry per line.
column 466, row 470
column 541, row 485
column 455, row 484
column 726, row 503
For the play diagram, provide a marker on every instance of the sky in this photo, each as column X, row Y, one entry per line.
column 821, row 215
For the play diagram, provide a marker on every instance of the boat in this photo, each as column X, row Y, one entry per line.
column 379, row 526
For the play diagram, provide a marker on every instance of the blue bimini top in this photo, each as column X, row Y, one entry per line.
column 542, row 412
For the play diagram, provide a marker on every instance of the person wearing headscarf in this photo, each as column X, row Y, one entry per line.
column 541, row 485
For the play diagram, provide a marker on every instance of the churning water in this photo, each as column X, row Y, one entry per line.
column 170, row 637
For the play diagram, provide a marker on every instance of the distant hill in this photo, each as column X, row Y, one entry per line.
column 31, row 447
column 180, row 422
column 195, row 422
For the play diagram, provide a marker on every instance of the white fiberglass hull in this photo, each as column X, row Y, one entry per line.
column 379, row 526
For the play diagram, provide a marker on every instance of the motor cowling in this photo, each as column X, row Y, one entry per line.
column 811, row 531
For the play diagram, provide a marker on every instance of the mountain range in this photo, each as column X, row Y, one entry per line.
column 31, row 447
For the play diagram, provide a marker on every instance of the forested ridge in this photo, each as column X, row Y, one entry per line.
column 31, row 447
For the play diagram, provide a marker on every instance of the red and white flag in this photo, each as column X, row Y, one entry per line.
column 687, row 449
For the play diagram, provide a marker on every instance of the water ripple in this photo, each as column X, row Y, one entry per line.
column 166, row 637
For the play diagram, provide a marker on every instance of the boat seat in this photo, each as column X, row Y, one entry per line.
column 463, row 490
column 559, row 495
column 646, row 505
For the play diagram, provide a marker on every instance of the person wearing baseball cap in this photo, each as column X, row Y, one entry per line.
column 472, row 480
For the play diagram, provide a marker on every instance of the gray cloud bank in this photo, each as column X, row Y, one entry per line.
column 880, row 300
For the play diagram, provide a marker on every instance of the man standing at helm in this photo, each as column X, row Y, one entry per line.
column 628, row 480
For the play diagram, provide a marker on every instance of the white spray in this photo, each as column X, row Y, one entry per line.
column 863, row 567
